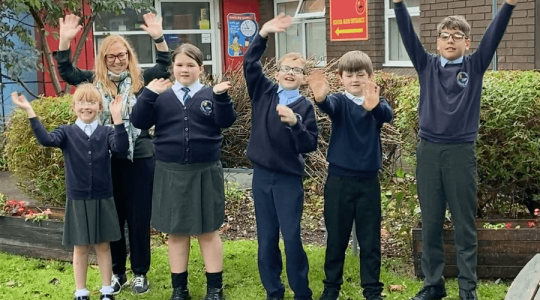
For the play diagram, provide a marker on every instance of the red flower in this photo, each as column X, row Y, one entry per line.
column 531, row 224
column 508, row 225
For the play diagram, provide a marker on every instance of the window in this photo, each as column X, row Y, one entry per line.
column 127, row 25
column 307, row 35
column 396, row 55
column 192, row 21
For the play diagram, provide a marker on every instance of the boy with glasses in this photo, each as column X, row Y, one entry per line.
column 283, row 129
column 449, row 110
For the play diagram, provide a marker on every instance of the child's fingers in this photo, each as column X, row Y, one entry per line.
column 15, row 97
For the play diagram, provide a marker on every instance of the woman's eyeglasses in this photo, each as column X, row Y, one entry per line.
column 121, row 57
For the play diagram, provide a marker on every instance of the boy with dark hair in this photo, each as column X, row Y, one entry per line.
column 352, row 191
column 449, row 110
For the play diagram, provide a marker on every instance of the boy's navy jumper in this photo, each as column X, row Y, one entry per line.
column 352, row 189
column 449, row 112
column 276, row 149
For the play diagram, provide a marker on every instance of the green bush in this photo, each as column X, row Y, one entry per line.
column 508, row 141
column 39, row 170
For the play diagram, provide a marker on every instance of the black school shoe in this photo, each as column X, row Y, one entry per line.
column 180, row 294
column 139, row 284
column 467, row 295
column 82, row 298
column 214, row 294
column 329, row 294
column 106, row 297
column 118, row 282
column 431, row 293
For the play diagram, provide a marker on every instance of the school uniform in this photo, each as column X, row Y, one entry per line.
column 90, row 212
column 132, row 175
column 275, row 150
column 449, row 111
column 352, row 190
column 188, row 195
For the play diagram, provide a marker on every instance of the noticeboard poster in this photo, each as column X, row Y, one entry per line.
column 241, row 30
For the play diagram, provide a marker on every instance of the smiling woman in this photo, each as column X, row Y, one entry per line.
column 117, row 74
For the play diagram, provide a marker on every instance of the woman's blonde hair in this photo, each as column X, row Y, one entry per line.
column 133, row 65
column 87, row 92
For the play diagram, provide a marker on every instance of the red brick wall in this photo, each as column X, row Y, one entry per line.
column 516, row 50
column 266, row 8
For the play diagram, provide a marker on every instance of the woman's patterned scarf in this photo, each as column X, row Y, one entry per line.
column 129, row 100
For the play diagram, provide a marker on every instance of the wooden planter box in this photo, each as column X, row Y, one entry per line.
column 502, row 253
column 35, row 239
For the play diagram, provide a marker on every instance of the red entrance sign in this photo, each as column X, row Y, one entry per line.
column 348, row 20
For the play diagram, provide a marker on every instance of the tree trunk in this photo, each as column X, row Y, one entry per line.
column 46, row 51
column 80, row 45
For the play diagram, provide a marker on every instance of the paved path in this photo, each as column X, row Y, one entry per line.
column 8, row 188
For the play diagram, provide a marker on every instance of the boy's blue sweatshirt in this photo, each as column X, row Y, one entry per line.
column 355, row 144
column 274, row 145
column 449, row 107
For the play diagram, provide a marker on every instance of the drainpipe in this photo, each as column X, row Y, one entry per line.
column 494, row 11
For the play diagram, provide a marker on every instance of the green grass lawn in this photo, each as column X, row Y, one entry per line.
column 25, row 278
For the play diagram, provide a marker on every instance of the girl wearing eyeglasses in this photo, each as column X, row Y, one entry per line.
column 117, row 73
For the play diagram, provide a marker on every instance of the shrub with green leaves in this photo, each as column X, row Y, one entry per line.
column 508, row 140
column 39, row 170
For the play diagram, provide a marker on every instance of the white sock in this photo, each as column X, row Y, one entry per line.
column 81, row 293
column 106, row 290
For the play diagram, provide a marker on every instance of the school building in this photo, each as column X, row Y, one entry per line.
column 324, row 29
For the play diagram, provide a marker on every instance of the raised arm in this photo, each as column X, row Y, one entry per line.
column 153, row 26
column 253, row 70
column 416, row 51
column 69, row 27
column 224, row 114
column 53, row 139
column 376, row 104
column 319, row 85
column 492, row 37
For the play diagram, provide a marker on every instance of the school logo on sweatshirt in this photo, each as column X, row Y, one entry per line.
column 463, row 79
column 207, row 107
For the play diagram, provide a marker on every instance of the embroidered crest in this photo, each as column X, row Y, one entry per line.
column 463, row 79
column 207, row 107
